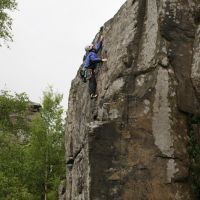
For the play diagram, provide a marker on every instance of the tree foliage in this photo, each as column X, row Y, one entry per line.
column 31, row 169
column 194, row 151
column 5, row 20
column 46, row 149
column 13, row 124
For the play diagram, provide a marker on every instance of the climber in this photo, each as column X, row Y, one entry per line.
column 91, row 61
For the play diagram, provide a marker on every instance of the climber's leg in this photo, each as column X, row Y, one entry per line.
column 92, row 86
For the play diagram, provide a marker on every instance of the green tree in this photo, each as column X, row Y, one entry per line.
column 13, row 125
column 5, row 20
column 32, row 157
column 45, row 152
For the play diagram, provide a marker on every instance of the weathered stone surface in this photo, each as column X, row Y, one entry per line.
column 196, row 63
column 61, row 191
column 131, row 143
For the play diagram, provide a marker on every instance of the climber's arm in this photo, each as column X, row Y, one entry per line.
column 95, row 59
column 99, row 46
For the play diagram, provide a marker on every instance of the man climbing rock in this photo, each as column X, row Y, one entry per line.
column 91, row 61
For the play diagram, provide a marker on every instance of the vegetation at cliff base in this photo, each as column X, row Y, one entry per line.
column 194, row 151
column 13, row 124
column 45, row 152
column 32, row 147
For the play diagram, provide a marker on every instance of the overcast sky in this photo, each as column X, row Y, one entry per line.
column 49, row 40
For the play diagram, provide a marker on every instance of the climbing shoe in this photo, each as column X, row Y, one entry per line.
column 92, row 96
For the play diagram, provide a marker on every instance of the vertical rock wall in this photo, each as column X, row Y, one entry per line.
column 131, row 143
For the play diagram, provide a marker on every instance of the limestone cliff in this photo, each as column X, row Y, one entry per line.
column 131, row 143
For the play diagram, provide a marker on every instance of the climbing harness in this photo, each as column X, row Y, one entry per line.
column 85, row 74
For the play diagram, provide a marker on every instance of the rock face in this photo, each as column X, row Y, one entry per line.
column 131, row 143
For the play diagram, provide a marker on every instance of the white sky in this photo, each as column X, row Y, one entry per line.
column 49, row 40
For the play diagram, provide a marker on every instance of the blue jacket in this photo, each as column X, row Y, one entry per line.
column 92, row 58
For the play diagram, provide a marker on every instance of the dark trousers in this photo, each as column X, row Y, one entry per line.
column 92, row 82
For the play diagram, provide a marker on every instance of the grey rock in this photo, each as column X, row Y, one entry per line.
column 131, row 143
